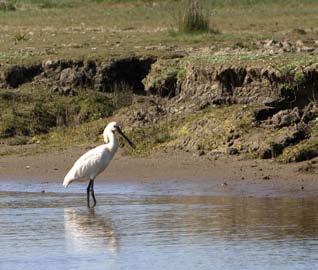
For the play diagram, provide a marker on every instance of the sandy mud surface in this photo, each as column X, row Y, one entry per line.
column 252, row 177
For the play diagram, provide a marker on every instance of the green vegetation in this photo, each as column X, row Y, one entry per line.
column 30, row 111
column 204, row 130
column 74, row 29
column 41, row 30
column 6, row 6
column 151, row 138
column 163, row 70
column 45, row 4
column 122, row 95
column 215, row 124
column 194, row 17
column 303, row 151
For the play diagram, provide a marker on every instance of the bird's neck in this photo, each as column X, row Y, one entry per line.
column 113, row 142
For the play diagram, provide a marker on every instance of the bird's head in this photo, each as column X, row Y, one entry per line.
column 113, row 127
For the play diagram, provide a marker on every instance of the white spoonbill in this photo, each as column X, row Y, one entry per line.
column 96, row 160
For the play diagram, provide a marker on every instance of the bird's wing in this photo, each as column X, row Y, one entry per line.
column 88, row 166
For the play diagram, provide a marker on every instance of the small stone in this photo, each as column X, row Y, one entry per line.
column 307, row 49
column 27, row 167
column 286, row 118
column 55, row 89
column 270, row 43
column 299, row 43
column 254, row 146
column 267, row 177
column 224, row 184
column 232, row 151
column 47, row 64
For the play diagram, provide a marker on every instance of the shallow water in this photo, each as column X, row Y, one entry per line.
column 157, row 225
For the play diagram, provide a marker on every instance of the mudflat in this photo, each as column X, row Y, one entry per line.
column 229, row 174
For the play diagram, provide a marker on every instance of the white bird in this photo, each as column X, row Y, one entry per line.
column 96, row 160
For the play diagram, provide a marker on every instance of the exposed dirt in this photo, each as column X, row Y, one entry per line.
column 257, row 111
column 84, row 74
column 254, row 177
column 283, row 100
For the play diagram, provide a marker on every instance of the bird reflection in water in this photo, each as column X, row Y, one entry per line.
column 88, row 231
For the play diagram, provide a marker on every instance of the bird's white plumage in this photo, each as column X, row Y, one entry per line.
column 93, row 162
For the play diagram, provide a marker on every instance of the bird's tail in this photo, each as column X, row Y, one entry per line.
column 66, row 181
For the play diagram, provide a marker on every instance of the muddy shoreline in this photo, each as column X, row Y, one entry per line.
column 231, row 175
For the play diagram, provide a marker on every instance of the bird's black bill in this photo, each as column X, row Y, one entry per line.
column 126, row 138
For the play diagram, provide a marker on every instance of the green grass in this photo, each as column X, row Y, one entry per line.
column 205, row 130
column 193, row 17
column 151, row 138
column 6, row 6
column 101, row 29
column 45, row 4
column 34, row 110
column 303, row 151
column 170, row 132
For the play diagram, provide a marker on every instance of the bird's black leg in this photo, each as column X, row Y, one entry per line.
column 93, row 195
column 87, row 192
